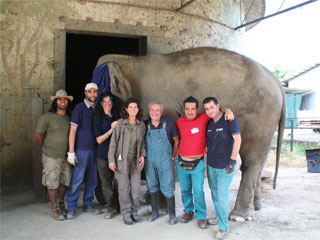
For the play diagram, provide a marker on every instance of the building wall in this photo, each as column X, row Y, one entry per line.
column 29, row 50
column 309, row 81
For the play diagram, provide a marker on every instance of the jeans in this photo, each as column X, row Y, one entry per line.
column 193, row 180
column 85, row 170
column 219, row 182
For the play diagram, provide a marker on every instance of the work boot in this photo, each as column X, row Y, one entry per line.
column 171, row 203
column 136, row 217
column 127, row 220
column 187, row 217
column 154, row 206
column 56, row 214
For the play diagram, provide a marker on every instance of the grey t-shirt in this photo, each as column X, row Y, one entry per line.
column 55, row 129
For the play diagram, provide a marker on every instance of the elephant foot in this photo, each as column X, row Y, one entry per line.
column 241, row 215
column 257, row 205
column 239, row 219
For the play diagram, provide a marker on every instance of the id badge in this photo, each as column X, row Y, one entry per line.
column 194, row 130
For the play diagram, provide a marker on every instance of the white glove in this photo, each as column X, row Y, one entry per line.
column 72, row 158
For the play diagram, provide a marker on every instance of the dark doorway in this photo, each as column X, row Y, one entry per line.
column 83, row 52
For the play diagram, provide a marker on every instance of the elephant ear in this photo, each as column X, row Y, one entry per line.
column 120, row 86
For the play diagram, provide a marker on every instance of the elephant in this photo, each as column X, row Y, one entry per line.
column 251, row 91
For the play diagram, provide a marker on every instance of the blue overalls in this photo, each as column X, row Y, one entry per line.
column 158, row 165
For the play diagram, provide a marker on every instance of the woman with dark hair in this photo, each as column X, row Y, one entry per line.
column 104, row 124
column 126, row 158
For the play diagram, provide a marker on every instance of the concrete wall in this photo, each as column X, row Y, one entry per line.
column 33, row 52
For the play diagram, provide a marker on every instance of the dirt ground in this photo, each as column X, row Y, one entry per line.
column 292, row 211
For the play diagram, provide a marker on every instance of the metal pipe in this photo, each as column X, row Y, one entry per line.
column 275, row 14
column 184, row 5
column 291, row 143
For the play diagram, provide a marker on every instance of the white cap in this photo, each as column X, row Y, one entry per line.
column 90, row 85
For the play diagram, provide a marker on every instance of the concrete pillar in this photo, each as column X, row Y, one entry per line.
column 38, row 190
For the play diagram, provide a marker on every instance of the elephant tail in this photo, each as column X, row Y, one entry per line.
column 280, row 136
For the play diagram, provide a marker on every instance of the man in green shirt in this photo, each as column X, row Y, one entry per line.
column 52, row 135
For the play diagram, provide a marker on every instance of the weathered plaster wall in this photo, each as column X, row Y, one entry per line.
column 28, row 49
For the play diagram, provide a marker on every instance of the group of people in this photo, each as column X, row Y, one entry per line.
column 96, row 139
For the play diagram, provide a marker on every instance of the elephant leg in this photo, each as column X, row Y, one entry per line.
column 254, row 151
column 246, row 192
column 257, row 195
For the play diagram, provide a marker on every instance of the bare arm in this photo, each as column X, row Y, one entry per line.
column 107, row 134
column 229, row 114
column 38, row 137
column 236, row 146
column 72, row 137
column 175, row 146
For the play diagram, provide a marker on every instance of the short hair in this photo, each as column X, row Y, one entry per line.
column 125, row 115
column 191, row 99
column 156, row 102
column 209, row 99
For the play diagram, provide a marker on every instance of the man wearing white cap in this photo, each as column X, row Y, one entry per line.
column 52, row 135
column 82, row 153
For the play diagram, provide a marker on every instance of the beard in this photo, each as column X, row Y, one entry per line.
column 62, row 107
column 90, row 100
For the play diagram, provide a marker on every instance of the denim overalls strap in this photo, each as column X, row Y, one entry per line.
column 157, row 139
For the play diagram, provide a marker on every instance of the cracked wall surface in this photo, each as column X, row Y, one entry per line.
column 28, row 61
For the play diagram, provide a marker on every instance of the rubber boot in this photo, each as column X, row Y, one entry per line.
column 172, row 210
column 154, row 206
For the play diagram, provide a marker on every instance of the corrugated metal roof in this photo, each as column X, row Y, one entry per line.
column 301, row 73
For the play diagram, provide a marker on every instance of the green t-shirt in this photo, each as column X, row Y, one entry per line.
column 132, row 152
column 55, row 129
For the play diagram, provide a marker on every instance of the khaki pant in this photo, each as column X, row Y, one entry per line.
column 55, row 171
column 129, row 190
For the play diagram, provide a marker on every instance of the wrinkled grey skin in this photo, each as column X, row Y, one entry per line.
column 239, row 83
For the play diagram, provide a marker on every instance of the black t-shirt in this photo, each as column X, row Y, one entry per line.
column 220, row 141
column 100, row 127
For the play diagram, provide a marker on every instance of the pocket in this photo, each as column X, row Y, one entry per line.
column 44, row 178
column 120, row 164
column 139, row 168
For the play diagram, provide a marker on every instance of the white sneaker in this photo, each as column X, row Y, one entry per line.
column 212, row 221
column 221, row 234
